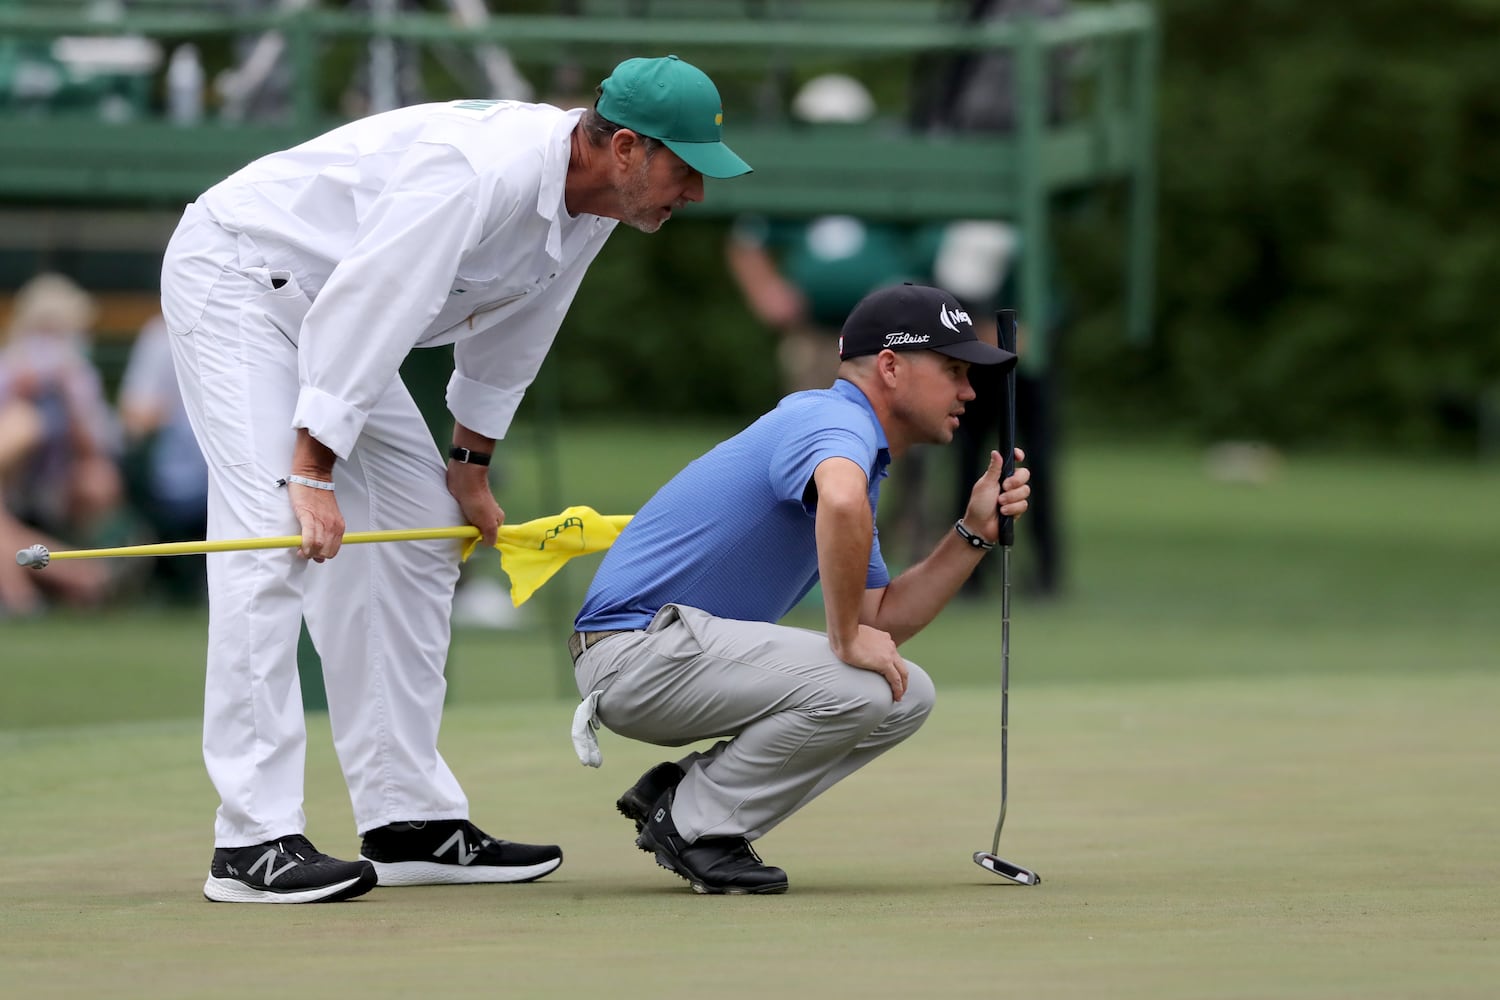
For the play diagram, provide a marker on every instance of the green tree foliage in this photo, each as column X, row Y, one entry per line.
column 659, row 329
column 1329, row 233
column 1329, row 247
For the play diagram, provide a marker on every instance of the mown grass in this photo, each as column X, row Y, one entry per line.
column 1252, row 754
column 1297, row 836
column 1171, row 573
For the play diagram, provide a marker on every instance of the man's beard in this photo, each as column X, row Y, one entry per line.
column 635, row 209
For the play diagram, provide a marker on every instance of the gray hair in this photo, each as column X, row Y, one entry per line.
column 599, row 130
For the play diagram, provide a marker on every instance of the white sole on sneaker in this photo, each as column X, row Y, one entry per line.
column 230, row 890
column 432, row 873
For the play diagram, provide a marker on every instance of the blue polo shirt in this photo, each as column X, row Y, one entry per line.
column 731, row 533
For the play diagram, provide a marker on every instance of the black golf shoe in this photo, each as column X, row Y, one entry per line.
column 285, row 870
column 453, row 852
column 636, row 803
column 712, row 865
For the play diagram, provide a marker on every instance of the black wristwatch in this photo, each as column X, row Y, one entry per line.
column 468, row 457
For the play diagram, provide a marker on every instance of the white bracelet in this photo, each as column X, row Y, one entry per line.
column 974, row 540
column 316, row 484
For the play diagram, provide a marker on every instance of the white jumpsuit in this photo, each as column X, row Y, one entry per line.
column 293, row 291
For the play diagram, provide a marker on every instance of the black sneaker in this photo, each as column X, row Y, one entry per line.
column 636, row 803
column 712, row 865
column 452, row 852
column 285, row 870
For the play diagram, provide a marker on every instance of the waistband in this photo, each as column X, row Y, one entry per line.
column 579, row 641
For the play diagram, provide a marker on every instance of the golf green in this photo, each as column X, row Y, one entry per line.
column 1323, row 836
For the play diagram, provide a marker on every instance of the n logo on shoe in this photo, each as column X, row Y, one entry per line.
column 465, row 856
column 272, row 872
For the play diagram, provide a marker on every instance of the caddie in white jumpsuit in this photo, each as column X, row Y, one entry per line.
column 293, row 291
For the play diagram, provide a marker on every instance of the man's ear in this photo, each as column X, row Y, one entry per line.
column 886, row 364
column 622, row 148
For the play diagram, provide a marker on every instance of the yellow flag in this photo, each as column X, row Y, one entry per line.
column 531, row 552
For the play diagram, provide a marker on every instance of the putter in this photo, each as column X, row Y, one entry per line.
column 990, row 860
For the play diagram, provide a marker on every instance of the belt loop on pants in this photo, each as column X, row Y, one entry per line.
column 579, row 641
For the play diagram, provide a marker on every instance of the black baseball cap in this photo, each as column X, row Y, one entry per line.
column 911, row 317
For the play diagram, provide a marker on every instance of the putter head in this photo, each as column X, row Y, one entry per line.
column 1003, row 868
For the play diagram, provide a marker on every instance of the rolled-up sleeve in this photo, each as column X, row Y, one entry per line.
column 493, row 369
column 332, row 421
column 481, row 407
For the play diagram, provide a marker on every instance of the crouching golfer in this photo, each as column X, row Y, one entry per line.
column 677, row 640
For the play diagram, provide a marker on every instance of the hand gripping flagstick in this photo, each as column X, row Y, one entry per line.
column 530, row 553
column 990, row 860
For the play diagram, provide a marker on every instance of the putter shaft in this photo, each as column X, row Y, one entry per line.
column 1004, row 692
column 1005, row 324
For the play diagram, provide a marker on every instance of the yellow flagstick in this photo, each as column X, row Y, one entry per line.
column 530, row 552
column 40, row 556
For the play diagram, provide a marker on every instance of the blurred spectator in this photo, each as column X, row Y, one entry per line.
column 58, row 472
column 71, row 482
column 166, row 476
column 260, row 84
column 390, row 75
column 23, row 591
column 801, row 277
column 979, row 261
column 976, row 91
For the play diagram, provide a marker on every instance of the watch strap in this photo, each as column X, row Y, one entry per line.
column 468, row 456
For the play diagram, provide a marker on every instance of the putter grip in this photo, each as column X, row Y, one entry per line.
column 1005, row 326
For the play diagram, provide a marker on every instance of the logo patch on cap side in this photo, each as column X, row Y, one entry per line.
column 952, row 317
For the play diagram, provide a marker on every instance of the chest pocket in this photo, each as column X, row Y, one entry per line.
column 507, row 298
column 470, row 299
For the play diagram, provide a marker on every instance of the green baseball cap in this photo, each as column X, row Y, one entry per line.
column 674, row 102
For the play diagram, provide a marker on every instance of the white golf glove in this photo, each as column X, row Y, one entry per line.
column 585, row 722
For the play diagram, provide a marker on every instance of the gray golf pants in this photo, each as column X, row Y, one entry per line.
column 791, row 717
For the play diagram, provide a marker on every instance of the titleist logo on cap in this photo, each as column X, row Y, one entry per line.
column 909, row 317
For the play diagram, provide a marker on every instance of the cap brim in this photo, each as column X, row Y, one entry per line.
column 711, row 159
column 977, row 352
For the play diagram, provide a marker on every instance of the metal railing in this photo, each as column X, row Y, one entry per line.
column 885, row 170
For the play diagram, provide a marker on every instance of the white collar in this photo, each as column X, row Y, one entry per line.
column 553, row 189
